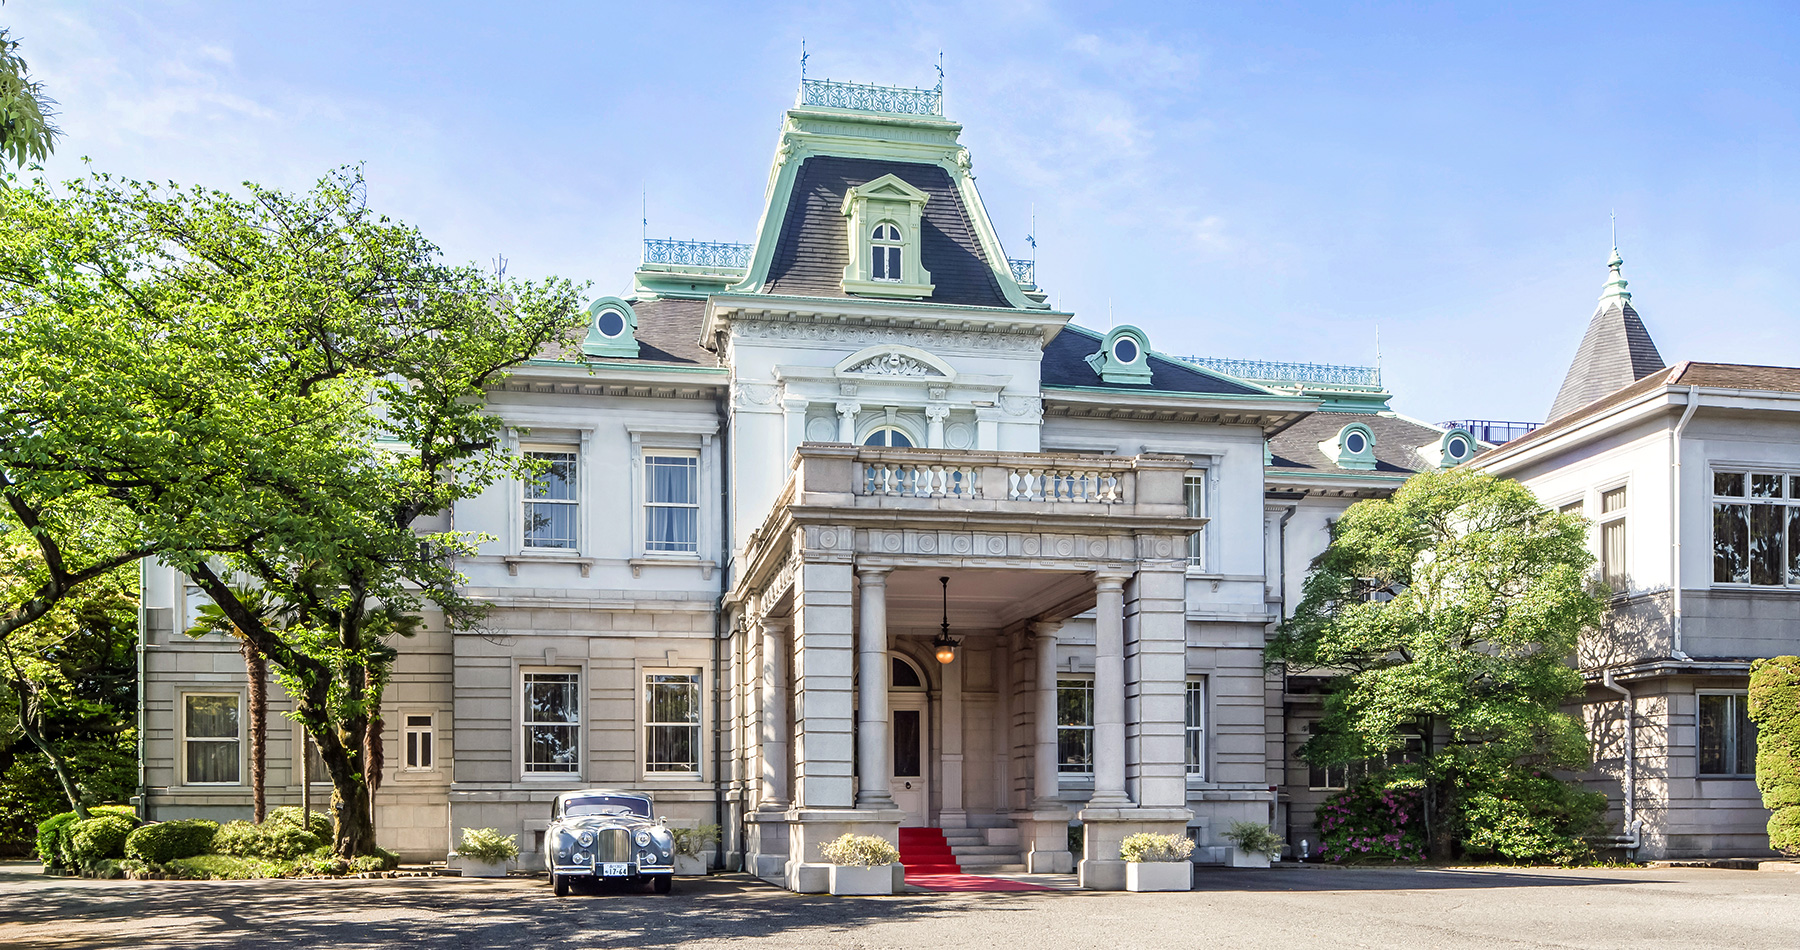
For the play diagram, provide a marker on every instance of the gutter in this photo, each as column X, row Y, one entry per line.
column 1632, row 839
column 1693, row 403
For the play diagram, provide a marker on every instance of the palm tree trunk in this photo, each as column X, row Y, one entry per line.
column 256, row 670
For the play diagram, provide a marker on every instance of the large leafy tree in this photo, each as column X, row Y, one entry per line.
column 285, row 390
column 26, row 132
column 1447, row 612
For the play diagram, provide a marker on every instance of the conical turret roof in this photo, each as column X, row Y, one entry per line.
column 1616, row 352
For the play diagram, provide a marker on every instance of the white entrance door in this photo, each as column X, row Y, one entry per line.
column 906, row 725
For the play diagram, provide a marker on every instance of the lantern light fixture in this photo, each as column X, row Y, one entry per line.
column 945, row 643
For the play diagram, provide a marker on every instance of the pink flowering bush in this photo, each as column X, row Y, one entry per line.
column 1373, row 821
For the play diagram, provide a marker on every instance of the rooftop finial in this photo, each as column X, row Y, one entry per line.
column 803, row 57
column 1615, row 287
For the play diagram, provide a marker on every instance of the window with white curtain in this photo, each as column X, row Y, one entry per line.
column 1196, row 727
column 672, row 502
column 1194, row 492
column 1613, row 550
column 211, row 738
column 552, row 507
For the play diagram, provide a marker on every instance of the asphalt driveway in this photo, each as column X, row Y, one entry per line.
column 1243, row 910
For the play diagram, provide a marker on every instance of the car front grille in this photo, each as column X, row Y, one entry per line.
column 613, row 845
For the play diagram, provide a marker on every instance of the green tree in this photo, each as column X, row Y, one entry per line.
column 284, row 390
column 211, row 619
column 1448, row 612
column 1775, row 708
column 26, row 132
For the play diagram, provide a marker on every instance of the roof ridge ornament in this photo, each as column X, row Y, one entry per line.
column 1615, row 286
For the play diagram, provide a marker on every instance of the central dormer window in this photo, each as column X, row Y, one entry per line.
column 886, row 221
column 884, row 244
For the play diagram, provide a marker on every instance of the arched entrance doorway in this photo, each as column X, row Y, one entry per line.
column 908, row 725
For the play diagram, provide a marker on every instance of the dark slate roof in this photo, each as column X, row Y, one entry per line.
column 668, row 331
column 1295, row 450
column 1617, row 351
column 1065, row 364
column 813, row 246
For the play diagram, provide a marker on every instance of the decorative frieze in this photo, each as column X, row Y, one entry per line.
column 971, row 341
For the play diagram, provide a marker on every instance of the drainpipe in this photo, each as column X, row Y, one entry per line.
column 722, row 407
column 143, row 638
column 1632, row 838
column 1281, row 558
column 1693, row 403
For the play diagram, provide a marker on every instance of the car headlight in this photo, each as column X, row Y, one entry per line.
column 643, row 839
column 587, row 838
column 645, row 857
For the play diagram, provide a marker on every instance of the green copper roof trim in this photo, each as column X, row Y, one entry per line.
column 1615, row 287
column 629, row 364
column 1141, row 391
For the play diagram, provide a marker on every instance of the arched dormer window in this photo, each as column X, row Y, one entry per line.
column 1353, row 447
column 885, row 252
column 889, row 437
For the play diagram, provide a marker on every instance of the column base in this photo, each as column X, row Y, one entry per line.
column 1044, row 831
column 766, row 845
column 806, row 869
column 1104, row 828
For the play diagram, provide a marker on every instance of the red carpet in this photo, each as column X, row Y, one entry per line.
column 969, row 882
column 924, row 851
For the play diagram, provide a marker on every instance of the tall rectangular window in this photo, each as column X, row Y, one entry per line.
column 672, row 722
column 418, row 742
column 1196, row 728
column 1727, row 737
column 1612, row 539
column 210, row 738
column 552, row 721
column 1194, row 490
column 1075, row 726
column 672, row 503
column 1756, row 529
column 552, row 507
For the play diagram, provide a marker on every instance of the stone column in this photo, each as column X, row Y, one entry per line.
column 934, row 426
column 847, row 421
column 950, row 757
column 1109, row 692
column 774, row 716
column 1046, row 829
column 875, row 770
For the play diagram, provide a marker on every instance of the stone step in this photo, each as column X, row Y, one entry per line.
column 971, row 850
column 993, row 869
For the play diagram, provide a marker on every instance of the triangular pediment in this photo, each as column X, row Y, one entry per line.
column 888, row 187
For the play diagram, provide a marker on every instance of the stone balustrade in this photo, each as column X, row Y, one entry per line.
column 869, row 476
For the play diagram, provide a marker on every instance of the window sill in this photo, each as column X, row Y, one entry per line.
column 886, row 288
column 547, row 557
column 671, row 560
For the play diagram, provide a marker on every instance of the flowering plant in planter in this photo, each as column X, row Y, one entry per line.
column 1155, row 848
column 859, row 851
column 1254, row 837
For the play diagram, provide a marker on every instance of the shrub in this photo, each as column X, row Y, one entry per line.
column 165, row 841
column 317, row 823
column 224, row 867
column 1145, row 847
column 272, row 840
column 692, row 841
column 860, row 851
column 1775, row 708
column 98, row 838
column 1530, row 817
column 49, row 831
column 1374, row 819
column 1254, row 837
column 488, row 845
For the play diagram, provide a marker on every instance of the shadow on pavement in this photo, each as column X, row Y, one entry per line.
column 1326, row 878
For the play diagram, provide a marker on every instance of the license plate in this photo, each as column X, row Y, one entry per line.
column 614, row 870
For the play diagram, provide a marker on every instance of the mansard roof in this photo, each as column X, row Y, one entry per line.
column 1065, row 365
column 1616, row 352
column 1400, row 444
column 813, row 246
column 668, row 331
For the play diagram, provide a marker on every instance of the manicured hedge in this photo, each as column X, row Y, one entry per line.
column 55, row 844
column 167, row 840
column 99, row 838
column 271, row 840
column 1775, row 708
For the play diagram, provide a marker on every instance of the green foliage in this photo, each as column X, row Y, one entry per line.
column 104, row 768
column 99, row 838
column 1254, row 837
column 1447, row 612
column 165, row 841
column 26, row 132
column 488, row 845
column 692, row 841
column 1155, row 848
column 273, row 840
column 1530, row 817
column 225, row 867
column 861, row 851
column 1381, row 818
column 318, row 823
column 1077, row 839
column 55, row 835
column 1775, row 708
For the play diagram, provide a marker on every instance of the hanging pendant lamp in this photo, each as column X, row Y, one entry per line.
column 945, row 643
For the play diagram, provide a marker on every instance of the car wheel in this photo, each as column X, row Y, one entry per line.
column 559, row 884
column 665, row 883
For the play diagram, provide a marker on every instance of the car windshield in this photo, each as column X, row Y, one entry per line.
column 605, row 805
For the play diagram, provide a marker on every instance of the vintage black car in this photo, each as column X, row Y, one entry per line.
column 601, row 834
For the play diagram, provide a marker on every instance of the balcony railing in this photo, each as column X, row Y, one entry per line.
column 1099, row 481
column 870, row 98
column 1267, row 372
column 1488, row 430
column 696, row 253
column 1025, row 272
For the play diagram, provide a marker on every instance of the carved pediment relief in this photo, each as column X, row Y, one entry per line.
column 904, row 362
column 893, row 364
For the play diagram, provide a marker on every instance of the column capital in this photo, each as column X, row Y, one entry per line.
column 872, row 576
column 937, row 413
column 1110, row 580
column 1045, row 630
column 849, row 407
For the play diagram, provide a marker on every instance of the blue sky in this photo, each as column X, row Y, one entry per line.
column 1264, row 181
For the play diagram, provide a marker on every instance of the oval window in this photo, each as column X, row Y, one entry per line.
column 1355, row 444
column 1125, row 350
column 610, row 323
column 1458, row 448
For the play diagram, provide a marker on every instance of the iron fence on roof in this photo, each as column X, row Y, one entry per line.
column 697, row 253
column 871, row 98
column 1025, row 272
column 1490, row 431
column 1269, row 372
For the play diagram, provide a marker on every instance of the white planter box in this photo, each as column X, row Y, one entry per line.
column 855, row 881
column 690, row 865
column 474, row 868
column 1159, row 876
column 1248, row 859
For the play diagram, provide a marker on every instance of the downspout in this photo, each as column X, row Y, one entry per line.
column 1693, row 403
column 1281, row 558
column 143, row 782
column 1632, row 839
column 719, row 628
